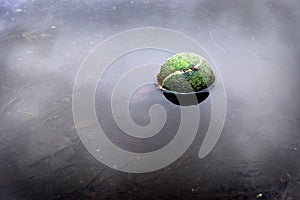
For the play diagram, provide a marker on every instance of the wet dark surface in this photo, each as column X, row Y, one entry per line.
column 253, row 44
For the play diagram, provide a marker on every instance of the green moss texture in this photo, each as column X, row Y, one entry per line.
column 185, row 73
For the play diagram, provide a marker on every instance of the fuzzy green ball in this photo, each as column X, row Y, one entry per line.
column 185, row 73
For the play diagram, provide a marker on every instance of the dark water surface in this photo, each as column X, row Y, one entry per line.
column 254, row 44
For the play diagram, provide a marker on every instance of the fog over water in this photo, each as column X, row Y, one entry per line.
column 254, row 45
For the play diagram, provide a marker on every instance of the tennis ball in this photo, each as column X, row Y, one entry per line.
column 185, row 73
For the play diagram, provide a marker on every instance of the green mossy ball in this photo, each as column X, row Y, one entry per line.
column 185, row 73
